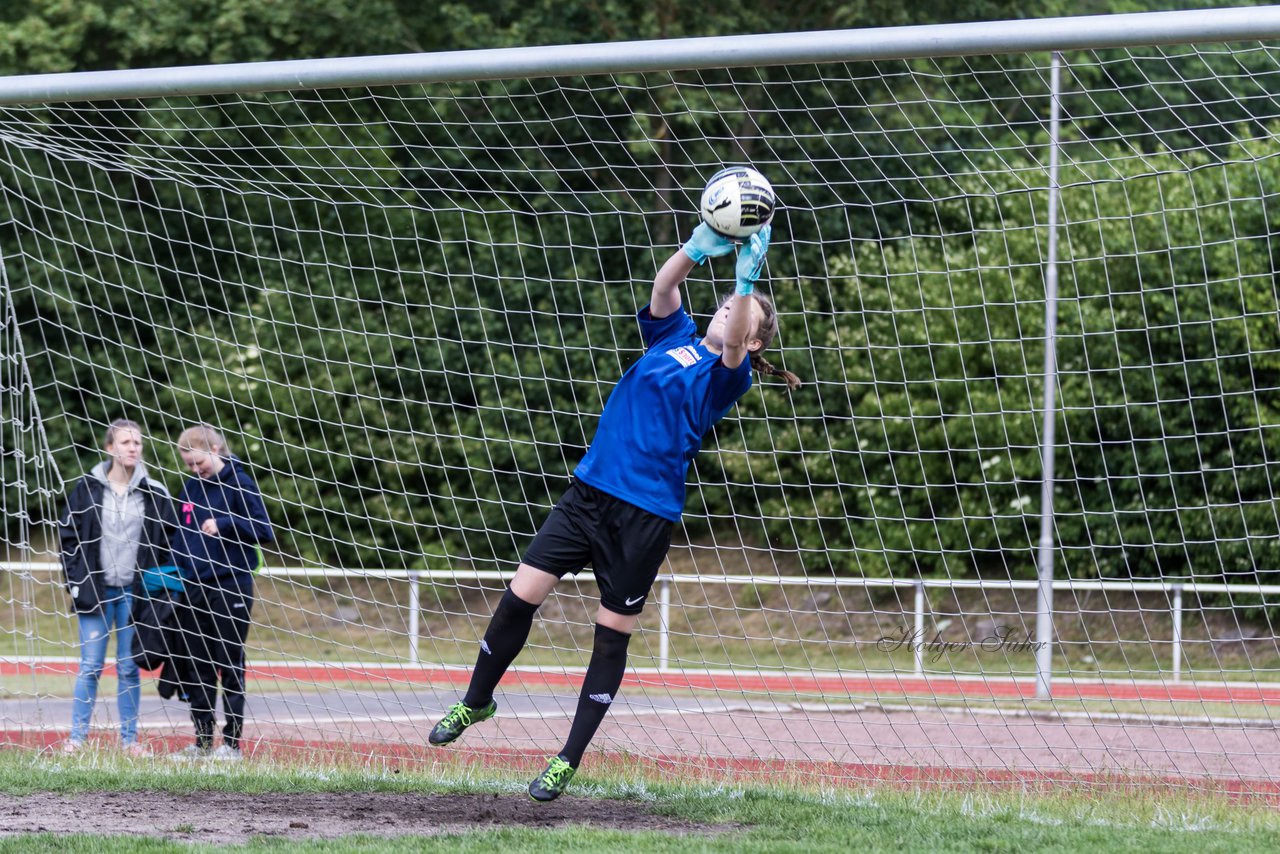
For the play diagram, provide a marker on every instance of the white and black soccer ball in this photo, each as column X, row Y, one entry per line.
column 737, row 202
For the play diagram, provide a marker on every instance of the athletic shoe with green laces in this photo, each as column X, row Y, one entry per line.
column 459, row 718
column 551, row 783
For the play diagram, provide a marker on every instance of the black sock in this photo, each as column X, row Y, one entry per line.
column 503, row 640
column 599, row 690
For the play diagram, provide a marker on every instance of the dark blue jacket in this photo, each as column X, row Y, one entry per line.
column 232, row 499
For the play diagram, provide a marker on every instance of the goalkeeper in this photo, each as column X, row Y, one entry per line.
column 629, row 489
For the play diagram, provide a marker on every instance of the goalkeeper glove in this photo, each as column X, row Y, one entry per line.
column 705, row 244
column 751, row 260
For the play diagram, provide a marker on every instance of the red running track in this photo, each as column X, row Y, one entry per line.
column 825, row 685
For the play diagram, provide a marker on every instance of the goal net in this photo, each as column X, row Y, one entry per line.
column 405, row 307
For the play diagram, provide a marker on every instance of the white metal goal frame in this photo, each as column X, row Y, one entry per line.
column 1050, row 36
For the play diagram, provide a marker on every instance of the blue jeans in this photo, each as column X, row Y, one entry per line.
column 95, row 631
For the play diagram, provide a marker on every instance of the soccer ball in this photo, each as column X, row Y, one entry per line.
column 737, row 202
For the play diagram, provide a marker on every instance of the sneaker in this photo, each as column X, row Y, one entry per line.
column 551, row 783
column 72, row 745
column 227, row 753
column 459, row 718
column 191, row 753
column 135, row 748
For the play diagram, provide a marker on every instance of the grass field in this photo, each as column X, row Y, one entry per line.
column 786, row 815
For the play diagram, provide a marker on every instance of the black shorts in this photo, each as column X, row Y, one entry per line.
column 624, row 545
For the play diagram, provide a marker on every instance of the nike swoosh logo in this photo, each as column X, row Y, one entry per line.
column 630, row 602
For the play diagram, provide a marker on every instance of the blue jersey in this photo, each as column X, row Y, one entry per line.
column 657, row 415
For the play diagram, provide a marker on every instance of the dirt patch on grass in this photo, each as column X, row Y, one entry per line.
column 223, row 817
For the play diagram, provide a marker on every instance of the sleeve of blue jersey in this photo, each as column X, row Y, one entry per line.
column 676, row 327
column 729, row 384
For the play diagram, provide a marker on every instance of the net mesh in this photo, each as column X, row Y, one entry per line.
column 405, row 308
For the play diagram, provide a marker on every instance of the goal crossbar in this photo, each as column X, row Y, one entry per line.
column 968, row 39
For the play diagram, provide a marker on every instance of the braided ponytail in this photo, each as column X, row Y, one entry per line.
column 766, row 332
column 761, row 364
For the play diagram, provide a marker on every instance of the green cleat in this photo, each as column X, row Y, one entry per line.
column 459, row 718
column 551, row 783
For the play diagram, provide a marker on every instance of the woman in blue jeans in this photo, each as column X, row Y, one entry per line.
column 117, row 521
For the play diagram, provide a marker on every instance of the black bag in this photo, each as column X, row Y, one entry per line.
column 158, row 643
column 155, row 625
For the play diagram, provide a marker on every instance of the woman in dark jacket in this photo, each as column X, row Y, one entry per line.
column 222, row 523
column 117, row 521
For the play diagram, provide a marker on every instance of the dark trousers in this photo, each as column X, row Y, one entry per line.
column 214, row 619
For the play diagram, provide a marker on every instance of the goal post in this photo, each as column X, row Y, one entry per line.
column 1025, row 269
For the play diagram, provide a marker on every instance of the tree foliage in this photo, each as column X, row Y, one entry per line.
column 419, row 394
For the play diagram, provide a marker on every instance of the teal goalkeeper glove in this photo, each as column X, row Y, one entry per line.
column 705, row 244
column 751, row 260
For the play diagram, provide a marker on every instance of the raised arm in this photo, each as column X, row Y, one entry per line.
column 704, row 244
column 664, row 300
column 739, row 325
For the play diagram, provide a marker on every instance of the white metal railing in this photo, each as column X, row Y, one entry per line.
column 665, row 582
